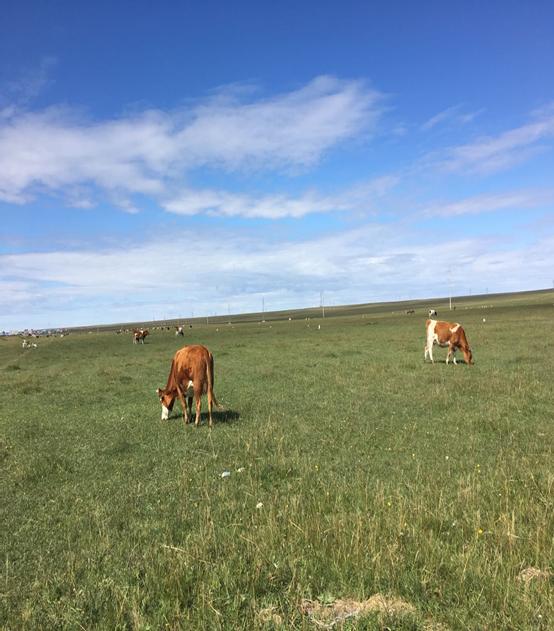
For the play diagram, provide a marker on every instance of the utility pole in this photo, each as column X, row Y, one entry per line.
column 449, row 291
column 322, row 303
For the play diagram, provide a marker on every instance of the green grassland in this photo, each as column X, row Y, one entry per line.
column 355, row 469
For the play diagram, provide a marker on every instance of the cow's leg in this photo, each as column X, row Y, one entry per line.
column 189, row 400
column 198, row 401
column 451, row 353
column 198, row 408
column 183, row 405
column 430, row 349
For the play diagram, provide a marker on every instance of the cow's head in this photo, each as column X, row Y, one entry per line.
column 167, row 400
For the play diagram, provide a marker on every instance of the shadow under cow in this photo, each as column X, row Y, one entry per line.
column 218, row 416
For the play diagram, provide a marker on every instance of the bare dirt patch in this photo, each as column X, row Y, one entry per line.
column 533, row 573
column 327, row 615
column 269, row 614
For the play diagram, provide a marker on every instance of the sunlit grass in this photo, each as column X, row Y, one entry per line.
column 355, row 469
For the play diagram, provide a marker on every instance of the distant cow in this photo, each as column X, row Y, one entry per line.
column 139, row 335
column 179, row 331
column 432, row 313
column 449, row 334
column 191, row 373
column 410, row 311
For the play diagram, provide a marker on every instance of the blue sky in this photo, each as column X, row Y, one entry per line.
column 160, row 161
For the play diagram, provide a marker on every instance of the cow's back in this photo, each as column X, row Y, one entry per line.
column 192, row 362
column 441, row 331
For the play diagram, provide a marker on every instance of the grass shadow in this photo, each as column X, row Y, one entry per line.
column 225, row 416
column 450, row 363
column 218, row 416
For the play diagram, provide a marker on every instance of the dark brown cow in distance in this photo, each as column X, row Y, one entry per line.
column 192, row 372
column 449, row 334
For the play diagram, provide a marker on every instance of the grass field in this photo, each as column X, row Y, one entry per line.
column 356, row 470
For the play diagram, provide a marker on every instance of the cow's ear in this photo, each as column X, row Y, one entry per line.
column 158, row 392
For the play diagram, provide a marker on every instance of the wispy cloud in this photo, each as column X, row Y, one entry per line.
column 30, row 83
column 225, row 204
column 515, row 200
column 453, row 115
column 147, row 152
column 494, row 153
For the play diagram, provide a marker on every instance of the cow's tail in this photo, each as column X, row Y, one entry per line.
column 210, row 377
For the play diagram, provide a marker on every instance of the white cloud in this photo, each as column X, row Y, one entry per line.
column 453, row 115
column 226, row 204
column 494, row 153
column 146, row 152
column 375, row 262
column 292, row 128
column 489, row 203
column 27, row 86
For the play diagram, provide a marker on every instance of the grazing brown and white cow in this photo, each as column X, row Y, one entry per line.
column 449, row 334
column 179, row 331
column 139, row 335
column 191, row 373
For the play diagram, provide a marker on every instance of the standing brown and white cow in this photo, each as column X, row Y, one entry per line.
column 449, row 334
column 139, row 335
column 191, row 373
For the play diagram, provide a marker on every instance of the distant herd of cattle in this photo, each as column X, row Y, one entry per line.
column 140, row 334
column 192, row 368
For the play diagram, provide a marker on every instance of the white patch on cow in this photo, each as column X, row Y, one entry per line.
column 165, row 413
column 454, row 328
column 190, row 389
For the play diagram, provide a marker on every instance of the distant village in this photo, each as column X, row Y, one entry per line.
column 36, row 333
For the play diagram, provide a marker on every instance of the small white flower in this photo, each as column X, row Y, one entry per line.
column 259, row 505
column 240, row 470
column 225, row 474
